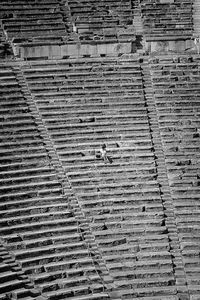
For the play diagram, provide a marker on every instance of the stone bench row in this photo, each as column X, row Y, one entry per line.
column 115, row 139
column 62, row 108
column 119, row 158
column 123, row 126
column 137, row 100
column 87, row 82
column 94, row 116
column 175, row 65
column 151, row 293
column 125, row 185
column 28, row 179
column 113, row 91
column 87, row 71
column 84, row 89
column 81, row 63
column 177, row 100
column 95, row 74
column 100, row 166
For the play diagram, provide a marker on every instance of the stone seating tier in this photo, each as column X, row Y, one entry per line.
column 171, row 19
column 96, row 183
column 56, row 29
column 179, row 126
column 43, row 226
column 123, row 202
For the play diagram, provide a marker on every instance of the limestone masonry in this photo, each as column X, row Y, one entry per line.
column 75, row 75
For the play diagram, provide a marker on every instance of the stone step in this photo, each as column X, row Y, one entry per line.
column 50, row 249
column 52, row 265
column 47, row 224
column 28, row 186
column 51, row 208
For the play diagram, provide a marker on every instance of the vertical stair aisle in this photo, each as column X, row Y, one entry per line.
column 168, row 206
column 175, row 80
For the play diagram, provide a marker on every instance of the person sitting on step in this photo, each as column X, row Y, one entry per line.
column 104, row 156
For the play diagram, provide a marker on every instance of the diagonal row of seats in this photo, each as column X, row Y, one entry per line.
column 176, row 89
column 37, row 225
column 84, row 104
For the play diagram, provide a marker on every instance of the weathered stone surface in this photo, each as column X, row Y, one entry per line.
column 73, row 225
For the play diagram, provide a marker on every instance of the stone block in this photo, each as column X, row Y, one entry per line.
column 54, row 51
column 166, row 1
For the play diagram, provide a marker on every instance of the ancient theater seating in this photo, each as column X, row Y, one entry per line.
column 37, row 226
column 33, row 21
column 102, row 20
column 84, row 73
column 14, row 283
column 85, row 103
column 55, row 29
column 167, row 19
column 176, row 89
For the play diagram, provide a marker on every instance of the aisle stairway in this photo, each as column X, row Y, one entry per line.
column 14, row 282
column 176, row 91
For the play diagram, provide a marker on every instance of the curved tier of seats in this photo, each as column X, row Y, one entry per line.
column 176, row 90
column 38, row 228
column 85, row 103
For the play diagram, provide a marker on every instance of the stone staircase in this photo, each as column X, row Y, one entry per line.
column 14, row 283
column 175, row 81
column 168, row 205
